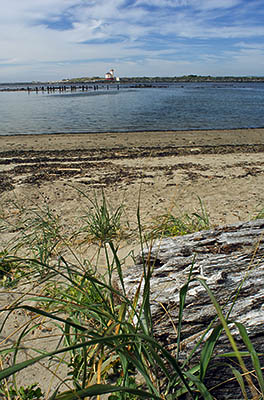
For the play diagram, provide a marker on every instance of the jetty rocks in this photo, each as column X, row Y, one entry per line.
column 230, row 259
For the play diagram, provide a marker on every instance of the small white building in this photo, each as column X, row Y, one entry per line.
column 110, row 75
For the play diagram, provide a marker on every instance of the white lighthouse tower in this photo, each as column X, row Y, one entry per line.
column 110, row 75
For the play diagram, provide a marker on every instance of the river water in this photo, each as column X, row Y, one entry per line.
column 180, row 106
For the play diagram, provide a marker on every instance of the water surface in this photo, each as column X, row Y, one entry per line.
column 176, row 107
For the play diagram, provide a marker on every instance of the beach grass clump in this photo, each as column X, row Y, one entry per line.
column 259, row 214
column 103, row 335
column 36, row 232
column 102, row 223
column 11, row 270
column 82, row 292
column 169, row 224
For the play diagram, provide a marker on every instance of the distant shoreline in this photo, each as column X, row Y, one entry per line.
column 139, row 82
column 128, row 132
column 157, row 79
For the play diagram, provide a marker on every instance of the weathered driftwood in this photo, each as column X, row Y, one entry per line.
column 225, row 257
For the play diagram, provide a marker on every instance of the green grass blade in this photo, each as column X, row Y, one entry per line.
column 147, row 318
column 172, row 361
column 145, row 305
column 183, row 293
column 240, row 381
column 118, row 265
column 159, row 362
column 208, row 349
column 253, row 354
column 104, row 389
column 136, row 359
column 229, row 335
column 242, row 353
column 200, row 386
column 222, row 320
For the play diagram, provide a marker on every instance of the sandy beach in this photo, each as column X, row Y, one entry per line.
column 169, row 170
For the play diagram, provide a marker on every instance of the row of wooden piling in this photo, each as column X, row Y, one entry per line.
column 60, row 89
column 75, row 88
column 72, row 88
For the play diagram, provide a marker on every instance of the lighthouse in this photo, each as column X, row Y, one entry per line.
column 110, row 75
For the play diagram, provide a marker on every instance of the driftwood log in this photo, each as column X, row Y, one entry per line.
column 225, row 257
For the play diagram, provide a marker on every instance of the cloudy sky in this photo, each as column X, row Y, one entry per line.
column 56, row 39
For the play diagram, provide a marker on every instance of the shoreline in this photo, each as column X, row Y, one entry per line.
column 132, row 139
column 197, row 130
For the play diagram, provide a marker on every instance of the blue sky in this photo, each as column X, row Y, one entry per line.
column 55, row 39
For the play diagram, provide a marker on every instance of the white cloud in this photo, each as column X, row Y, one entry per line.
column 71, row 37
column 197, row 4
column 251, row 45
column 214, row 4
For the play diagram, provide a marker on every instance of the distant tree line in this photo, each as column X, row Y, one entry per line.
column 184, row 78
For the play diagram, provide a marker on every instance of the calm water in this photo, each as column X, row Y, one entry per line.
column 180, row 106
